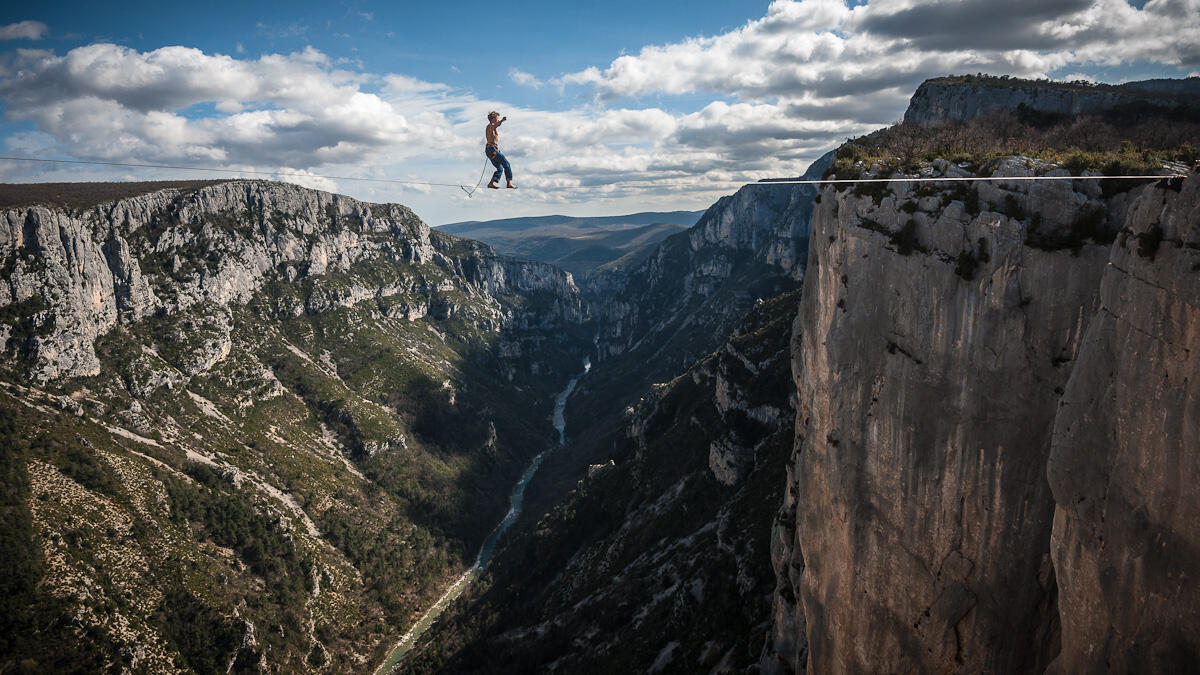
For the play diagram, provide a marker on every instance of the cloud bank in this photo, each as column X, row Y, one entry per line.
column 775, row 93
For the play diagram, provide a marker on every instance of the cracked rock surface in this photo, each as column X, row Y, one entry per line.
column 939, row 350
column 1124, row 462
column 926, row 403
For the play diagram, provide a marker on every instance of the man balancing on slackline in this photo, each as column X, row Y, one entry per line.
column 492, row 136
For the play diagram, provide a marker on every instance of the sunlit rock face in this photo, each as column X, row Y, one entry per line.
column 254, row 427
column 81, row 273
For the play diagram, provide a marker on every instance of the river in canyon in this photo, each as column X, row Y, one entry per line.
column 516, row 501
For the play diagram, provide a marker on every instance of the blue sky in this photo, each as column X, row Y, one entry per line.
column 613, row 107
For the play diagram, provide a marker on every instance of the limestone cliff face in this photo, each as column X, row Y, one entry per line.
column 936, row 333
column 80, row 274
column 257, row 428
column 941, row 100
column 690, row 274
column 951, row 346
column 696, row 286
column 1125, row 457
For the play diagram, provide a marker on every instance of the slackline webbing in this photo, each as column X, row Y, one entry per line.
column 471, row 189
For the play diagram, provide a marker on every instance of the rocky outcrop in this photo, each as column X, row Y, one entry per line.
column 687, row 296
column 759, row 226
column 695, row 287
column 1124, row 463
column 963, row 99
column 71, row 277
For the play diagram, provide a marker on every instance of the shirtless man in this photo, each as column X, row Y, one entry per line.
column 492, row 136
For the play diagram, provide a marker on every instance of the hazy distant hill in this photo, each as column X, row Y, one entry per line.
column 578, row 245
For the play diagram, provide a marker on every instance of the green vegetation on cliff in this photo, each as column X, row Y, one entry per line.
column 662, row 555
column 277, row 483
column 1135, row 139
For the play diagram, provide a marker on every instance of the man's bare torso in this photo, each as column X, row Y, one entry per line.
column 492, row 134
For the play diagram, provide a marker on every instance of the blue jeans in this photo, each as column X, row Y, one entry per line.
column 500, row 162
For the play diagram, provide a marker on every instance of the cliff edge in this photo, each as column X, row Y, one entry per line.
column 952, row 344
column 964, row 98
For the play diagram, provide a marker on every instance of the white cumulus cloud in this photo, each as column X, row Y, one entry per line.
column 688, row 119
column 105, row 101
column 523, row 78
column 825, row 48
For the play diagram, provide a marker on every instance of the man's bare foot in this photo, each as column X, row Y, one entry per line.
column 493, row 185
column 511, row 186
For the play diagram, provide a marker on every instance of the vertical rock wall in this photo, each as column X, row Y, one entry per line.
column 930, row 351
column 1125, row 461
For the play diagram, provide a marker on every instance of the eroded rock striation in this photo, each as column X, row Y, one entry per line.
column 953, row 343
column 85, row 272
column 1125, row 457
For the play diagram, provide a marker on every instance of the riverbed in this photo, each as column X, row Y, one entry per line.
column 516, row 501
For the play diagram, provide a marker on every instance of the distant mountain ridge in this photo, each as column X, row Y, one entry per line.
column 964, row 98
column 579, row 245
column 466, row 227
